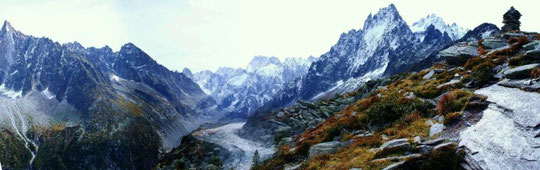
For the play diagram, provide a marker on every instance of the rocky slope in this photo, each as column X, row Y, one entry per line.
column 69, row 107
column 241, row 91
column 474, row 110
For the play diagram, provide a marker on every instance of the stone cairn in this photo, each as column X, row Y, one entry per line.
column 511, row 20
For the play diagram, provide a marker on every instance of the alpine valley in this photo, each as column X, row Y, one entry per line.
column 390, row 95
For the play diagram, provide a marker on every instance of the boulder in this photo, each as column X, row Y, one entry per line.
column 293, row 167
column 438, row 70
column 424, row 148
column 417, row 139
column 511, row 34
column 324, row 148
column 520, row 72
column 394, row 142
column 493, row 43
column 409, row 95
column 429, row 75
column 397, row 158
column 443, row 145
column 280, row 114
column 532, row 54
column 394, row 166
column 436, row 129
column 532, row 45
column 433, row 142
column 458, row 54
column 527, row 84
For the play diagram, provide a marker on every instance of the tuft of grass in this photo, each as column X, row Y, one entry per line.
column 446, row 157
column 535, row 73
column 481, row 48
column 519, row 60
column 482, row 74
column 473, row 62
column 454, row 101
column 452, row 118
column 393, row 108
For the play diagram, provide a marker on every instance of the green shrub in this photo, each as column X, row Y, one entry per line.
column 390, row 110
column 482, row 74
column 279, row 137
column 454, row 101
column 452, row 118
column 446, row 157
column 519, row 61
column 332, row 132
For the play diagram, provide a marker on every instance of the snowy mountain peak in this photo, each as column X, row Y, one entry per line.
column 261, row 61
column 129, row 46
column 186, row 71
column 454, row 31
column 7, row 27
column 385, row 15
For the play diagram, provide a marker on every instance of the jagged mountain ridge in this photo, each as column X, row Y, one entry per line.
column 47, row 84
column 454, row 31
column 241, row 91
column 384, row 46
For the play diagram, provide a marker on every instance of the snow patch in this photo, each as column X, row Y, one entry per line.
column 238, row 80
column 48, row 94
column 115, row 77
column 9, row 93
column 271, row 70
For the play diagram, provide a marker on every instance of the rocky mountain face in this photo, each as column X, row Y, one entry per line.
column 242, row 91
column 384, row 46
column 69, row 107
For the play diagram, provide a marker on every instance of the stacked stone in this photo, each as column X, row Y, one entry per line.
column 511, row 20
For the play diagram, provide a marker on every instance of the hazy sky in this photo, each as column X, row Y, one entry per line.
column 207, row 34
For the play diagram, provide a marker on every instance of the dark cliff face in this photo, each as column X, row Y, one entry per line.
column 128, row 106
column 481, row 31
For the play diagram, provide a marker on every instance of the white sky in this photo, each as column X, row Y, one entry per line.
column 207, row 34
